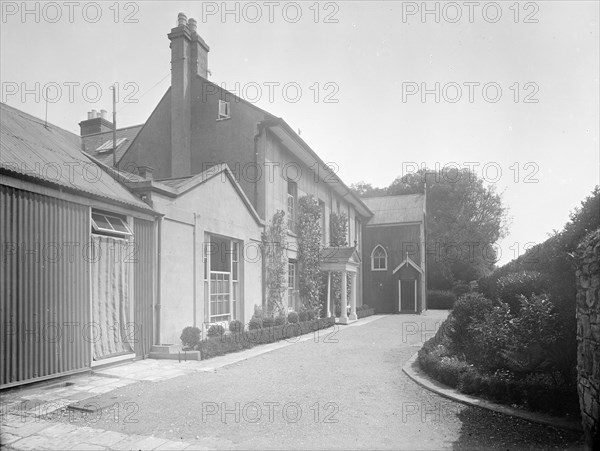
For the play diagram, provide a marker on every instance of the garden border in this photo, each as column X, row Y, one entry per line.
column 412, row 369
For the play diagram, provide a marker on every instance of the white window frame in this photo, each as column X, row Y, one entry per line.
column 224, row 110
column 385, row 258
column 98, row 230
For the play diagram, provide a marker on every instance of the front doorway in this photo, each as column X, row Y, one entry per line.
column 407, row 295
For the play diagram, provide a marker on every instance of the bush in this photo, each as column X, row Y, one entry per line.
column 468, row 309
column 190, row 337
column 293, row 318
column 459, row 288
column 255, row 323
column 246, row 340
column 303, row 316
column 236, row 326
column 511, row 287
column 216, row 330
column 310, row 315
column 269, row 322
column 441, row 300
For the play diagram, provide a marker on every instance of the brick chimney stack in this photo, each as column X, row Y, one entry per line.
column 189, row 56
column 96, row 122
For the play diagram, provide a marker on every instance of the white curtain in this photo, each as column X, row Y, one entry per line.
column 110, row 297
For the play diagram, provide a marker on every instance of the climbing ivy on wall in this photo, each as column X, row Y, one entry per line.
column 274, row 244
column 309, row 247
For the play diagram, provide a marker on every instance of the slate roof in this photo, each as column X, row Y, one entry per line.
column 396, row 209
column 50, row 155
column 91, row 142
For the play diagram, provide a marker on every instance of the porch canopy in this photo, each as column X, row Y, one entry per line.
column 347, row 261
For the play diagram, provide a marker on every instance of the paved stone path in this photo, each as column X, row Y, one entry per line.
column 343, row 389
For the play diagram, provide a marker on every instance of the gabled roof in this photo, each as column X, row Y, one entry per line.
column 396, row 209
column 47, row 154
column 336, row 258
column 175, row 187
column 91, row 143
column 291, row 140
column 410, row 262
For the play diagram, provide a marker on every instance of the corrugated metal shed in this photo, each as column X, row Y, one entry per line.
column 49, row 154
column 44, row 286
column 396, row 209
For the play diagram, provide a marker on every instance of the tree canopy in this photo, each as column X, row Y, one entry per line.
column 465, row 218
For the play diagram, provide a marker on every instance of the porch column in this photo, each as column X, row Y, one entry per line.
column 344, row 314
column 328, row 294
column 353, row 316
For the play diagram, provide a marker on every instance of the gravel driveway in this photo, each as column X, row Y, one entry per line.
column 345, row 390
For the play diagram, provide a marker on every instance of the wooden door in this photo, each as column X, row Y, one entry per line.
column 407, row 291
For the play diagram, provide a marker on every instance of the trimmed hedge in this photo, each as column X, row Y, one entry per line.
column 534, row 391
column 440, row 299
column 215, row 346
column 364, row 310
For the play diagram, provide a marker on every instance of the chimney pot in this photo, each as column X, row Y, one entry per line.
column 192, row 24
column 181, row 20
column 90, row 115
column 94, row 114
column 104, row 114
column 145, row 172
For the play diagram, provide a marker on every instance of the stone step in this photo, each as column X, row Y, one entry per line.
column 167, row 349
column 183, row 355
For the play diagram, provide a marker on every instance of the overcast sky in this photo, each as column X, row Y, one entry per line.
column 350, row 78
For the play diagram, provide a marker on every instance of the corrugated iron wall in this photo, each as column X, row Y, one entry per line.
column 44, row 286
column 144, row 284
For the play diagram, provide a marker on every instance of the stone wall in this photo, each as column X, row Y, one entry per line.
column 588, row 336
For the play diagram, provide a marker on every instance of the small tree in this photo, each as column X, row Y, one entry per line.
column 274, row 244
column 309, row 247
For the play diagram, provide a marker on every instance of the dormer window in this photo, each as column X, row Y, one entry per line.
column 224, row 110
column 379, row 259
column 108, row 145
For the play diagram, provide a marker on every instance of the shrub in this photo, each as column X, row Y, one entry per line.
column 468, row 309
column 246, row 340
column 255, row 323
column 268, row 322
column 236, row 326
column 459, row 288
column 310, row 315
column 280, row 320
column 439, row 299
column 216, row 330
column 303, row 316
column 293, row 318
column 190, row 336
column 511, row 287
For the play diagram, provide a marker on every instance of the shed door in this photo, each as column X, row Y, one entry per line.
column 408, row 295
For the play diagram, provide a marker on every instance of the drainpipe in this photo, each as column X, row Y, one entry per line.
column 194, row 266
column 259, row 130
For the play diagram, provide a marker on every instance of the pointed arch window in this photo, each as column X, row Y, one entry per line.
column 379, row 259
